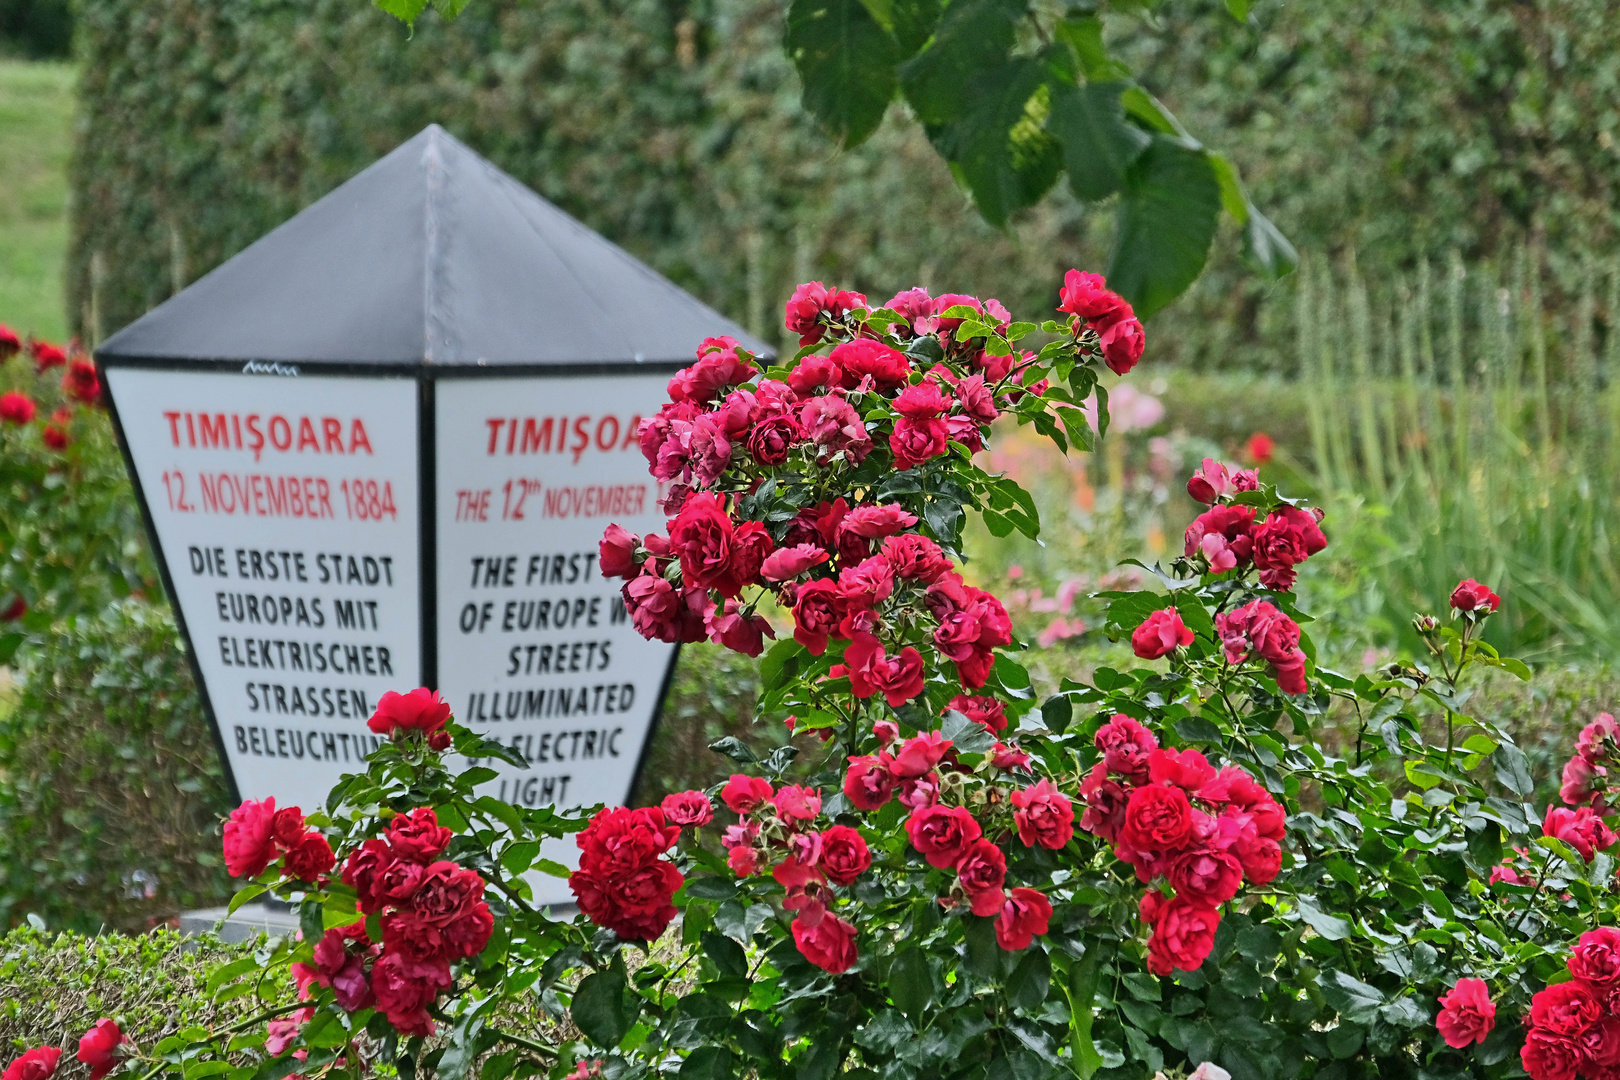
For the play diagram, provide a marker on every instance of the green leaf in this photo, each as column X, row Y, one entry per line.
column 1083, row 34
column 735, row 749
column 727, row 955
column 1513, row 770
column 1351, row 998
column 406, row 11
column 1329, row 926
column 1169, row 208
column 846, row 62
column 911, row 985
column 780, row 663
column 966, row 736
column 1027, row 986
column 707, row 1063
column 243, row 895
column 600, row 1009
column 1081, row 990
column 1239, row 9
column 710, row 888
column 1056, row 712
column 1098, row 145
column 997, row 144
column 975, row 36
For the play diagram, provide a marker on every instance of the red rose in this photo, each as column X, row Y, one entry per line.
column 922, row 401
column 620, row 839
column 718, row 366
column 98, row 1048
column 365, row 871
column 418, row 836
column 826, row 941
column 1183, row 934
column 660, row 612
column 404, row 988
column 814, row 373
column 1595, row 959
column 1466, row 1014
column 642, row 894
column 916, row 441
column 868, row 784
column 311, row 858
column 982, row 710
column 745, row 794
column 616, row 553
column 727, row 625
column 1105, row 804
column 1025, row 915
column 55, row 436
column 872, row 671
column 1122, row 343
column 1600, row 1044
column 1188, row 770
column 688, row 808
column 982, row 871
column 10, row 343
column 249, row 845
column 1598, row 739
column 420, row 710
column 919, row 755
column 1044, row 816
column 1285, row 539
column 872, row 522
column 743, row 860
column 1086, row 295
column 942, row 833
column 1582, row 829
column 1159, row 633
column 816, row 614
column 81, row 382
column 1565, row 1009
column 1470, row 595
column 944, row 303
column 844, row 855
column 915, row 557
column 1125, row 745
column 1261, row 859
column 787, row 563
column 46, row 356
column 1208, row 876
column 1547, row 1056
column 16, row 408
column 287, row 827
column 1223, row 534
column 833, row 425
column 796, row 803
column 1158, row 818
column 774, row 437
column 864, row 358
column 37, row 1064
column 14, row 610
column 1209, row 482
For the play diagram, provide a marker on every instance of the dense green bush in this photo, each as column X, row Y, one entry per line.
column 36, row 29
column 110, row 785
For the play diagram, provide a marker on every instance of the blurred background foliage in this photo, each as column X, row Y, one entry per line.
column 1441, row 375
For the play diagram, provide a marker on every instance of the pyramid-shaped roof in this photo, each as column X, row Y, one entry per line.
column 431, row 256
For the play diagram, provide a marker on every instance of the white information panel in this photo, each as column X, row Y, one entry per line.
column 288, row 515
column 534, row 645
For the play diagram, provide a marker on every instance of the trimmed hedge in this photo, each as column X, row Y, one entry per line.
column 111, row 790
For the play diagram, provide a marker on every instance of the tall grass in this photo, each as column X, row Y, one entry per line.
column 1465, row 427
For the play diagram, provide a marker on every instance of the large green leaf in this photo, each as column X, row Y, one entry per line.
column 1169, row 207
column 943, row 81
column 910, row 21
column 998, row 146
column 847, row 63
column 602, row 1009
column 1098, row 145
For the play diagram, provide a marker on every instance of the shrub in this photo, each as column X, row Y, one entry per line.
column 110, row 785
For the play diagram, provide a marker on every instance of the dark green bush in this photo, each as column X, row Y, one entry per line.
column 37, row 29
column 110, row 785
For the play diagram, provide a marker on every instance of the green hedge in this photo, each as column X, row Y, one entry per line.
column 111, row 790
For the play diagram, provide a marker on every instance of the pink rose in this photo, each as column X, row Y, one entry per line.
column 787, row 563
column 1044, row 816
column 1123, row 343
column 795, row 803
column 919, row 755
column 1125, row 745
column 915, row 557
column 844, row 855
column 691, row 808
column 745, row 794
column 1183, row 935
column 1025, row 915
column 1160, row 633
column 1470, row 595
column 916, row 441
column 872, row 522
column 1582, row 829
column 941, row 834
column 868, row 784
column 825, row 940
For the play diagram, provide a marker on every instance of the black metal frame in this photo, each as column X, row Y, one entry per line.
column 427, row 379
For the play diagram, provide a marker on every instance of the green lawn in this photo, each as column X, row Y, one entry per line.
column 36, row 135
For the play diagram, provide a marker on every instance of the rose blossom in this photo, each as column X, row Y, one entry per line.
column 1466, row 1014
column 249, row 846
column 1105, row 804
column 37, row 1064
column 728, row 625
column 864, row 359
column 1578, row 780
column 1123, row 343
column 773, row 438
column 826, row 941
column 1086, row 295
column 1025, row 915
column 715, row 554
column 916, row 441
column 1565, row 1009
column 1547, row 1056
column 1158, row 817
column 616, row 552
column 1582, row 829
column 661, row 612
column 815, row 614
column 1595, row 958
column 1187, row 769
column 404, row 988
column 873, row 522
column 745, row 794
column 833, row 425
column 1043, row 815
column 1470, row 595
column 942, row 833
column 10, row 343
column 981, row 710
column 795, row 803
column 421, row 710
column 1183, row 934
column 1223, row 534
column 919, row 755
column 1286, row 538
column 418, row 836
column 844, row 855
column 1125, row 744
column 787, row 563
column 16, row 409
column 310, row 858
column 868, row 783
column 872, row 671
column 1209, row 482
column 98, row 1048
column 982, row 871
column 1590, row 744
column 688, row 808
column 743, row 860
column 1207, row 876
column 1159, row 633
column 915, row 557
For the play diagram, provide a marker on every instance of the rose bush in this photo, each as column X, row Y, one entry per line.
column 1158, row 869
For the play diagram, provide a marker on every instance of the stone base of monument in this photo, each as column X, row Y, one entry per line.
column 245, row 924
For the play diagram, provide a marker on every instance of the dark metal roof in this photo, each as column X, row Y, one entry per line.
column 431, row 256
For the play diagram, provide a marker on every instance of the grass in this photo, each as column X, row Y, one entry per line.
column 36, row 136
